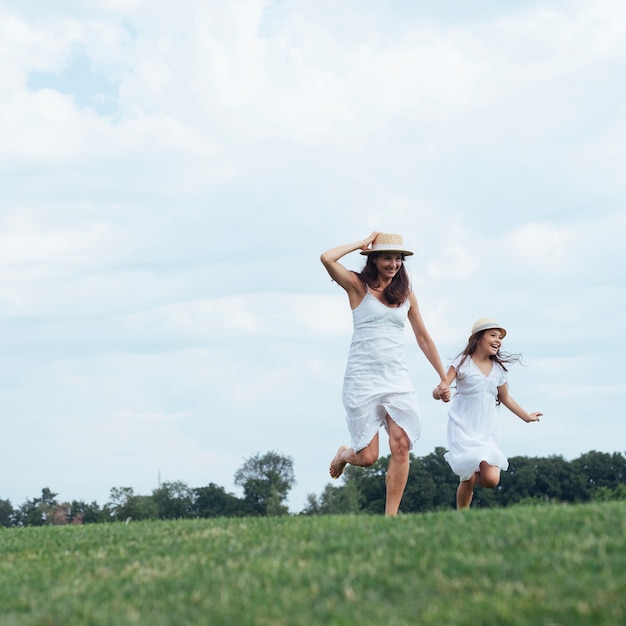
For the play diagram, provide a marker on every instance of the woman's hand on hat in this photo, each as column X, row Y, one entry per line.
column 368, row 240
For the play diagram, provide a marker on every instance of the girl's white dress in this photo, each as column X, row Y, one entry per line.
column 377, row 380
column 472, row 425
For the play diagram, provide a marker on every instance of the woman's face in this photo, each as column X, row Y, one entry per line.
column 388, row 264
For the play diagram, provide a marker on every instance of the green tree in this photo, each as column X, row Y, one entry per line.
column 604, row 494
column 370, row 484
column 420, row 492
column 214, row 501
column 341, row 500
column 546, row 479
column 432, row 484
column 83, row 513
column 173, row 500
column 560, row 481
column 518, row 483
column 38, row 511
column 118, row 501
column 124, row 505
column 141, row 507
column 601, row 469
column 7, row 515
column 266, row 481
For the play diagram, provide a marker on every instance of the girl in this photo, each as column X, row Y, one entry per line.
column 473, row 453
column 377, row 389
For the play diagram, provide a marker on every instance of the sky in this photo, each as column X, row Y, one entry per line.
column 171, row 173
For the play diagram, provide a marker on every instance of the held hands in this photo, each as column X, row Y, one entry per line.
column 442, row 392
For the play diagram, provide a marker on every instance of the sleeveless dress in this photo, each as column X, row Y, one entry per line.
column 472, row 425
column 377, row 380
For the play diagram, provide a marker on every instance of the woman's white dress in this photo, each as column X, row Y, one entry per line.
column 472, row 425
column 377, row 380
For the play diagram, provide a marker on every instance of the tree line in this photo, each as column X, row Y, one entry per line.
column 432, row 485
column 267, row 480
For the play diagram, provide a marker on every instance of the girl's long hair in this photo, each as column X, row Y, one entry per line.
column 500, row 357
column 397, row 291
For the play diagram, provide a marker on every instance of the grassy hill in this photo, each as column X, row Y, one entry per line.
column 535, row 565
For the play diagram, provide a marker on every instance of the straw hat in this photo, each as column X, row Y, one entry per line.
column 387, row 243
column 484, row 323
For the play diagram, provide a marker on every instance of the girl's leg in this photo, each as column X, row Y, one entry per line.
column 363, row 458
column 488, row 476
column 465, row 492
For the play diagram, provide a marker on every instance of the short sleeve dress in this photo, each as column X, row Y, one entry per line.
column 377, row 380
column 472, row 425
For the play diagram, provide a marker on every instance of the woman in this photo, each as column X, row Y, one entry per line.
column 479, row 370
column 377, row 387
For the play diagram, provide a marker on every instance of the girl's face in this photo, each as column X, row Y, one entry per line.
column 388, row 264
column 490, row 342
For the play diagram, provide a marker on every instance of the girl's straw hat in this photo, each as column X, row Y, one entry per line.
column 387, row 243
column 484, row 323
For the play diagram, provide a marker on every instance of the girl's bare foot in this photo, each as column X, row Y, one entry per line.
column 337, row 465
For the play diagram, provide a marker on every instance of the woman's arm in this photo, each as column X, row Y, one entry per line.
column 339, row 273
column 426, row 344
column 511, row 404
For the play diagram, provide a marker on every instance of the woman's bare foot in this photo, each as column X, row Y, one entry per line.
column 338, row 464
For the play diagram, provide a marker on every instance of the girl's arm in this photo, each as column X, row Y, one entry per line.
column 438, row 394
column 427, row 345
column 340, row 274
column 509, row 403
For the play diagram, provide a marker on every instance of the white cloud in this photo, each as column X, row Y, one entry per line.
column 159, row 265
column 25, row 242
column 126, row 414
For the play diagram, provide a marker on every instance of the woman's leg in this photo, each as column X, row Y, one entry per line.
column 363, row 458
column 398, row 469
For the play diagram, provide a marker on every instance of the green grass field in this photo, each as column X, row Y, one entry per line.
column 536, row 565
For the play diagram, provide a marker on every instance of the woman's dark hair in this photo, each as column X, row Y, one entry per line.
column 500, row 357
column 397, row 291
